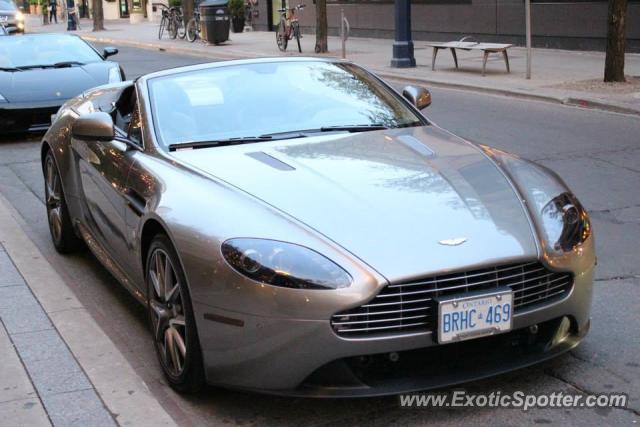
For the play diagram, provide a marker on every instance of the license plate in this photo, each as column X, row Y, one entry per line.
column 471, row 316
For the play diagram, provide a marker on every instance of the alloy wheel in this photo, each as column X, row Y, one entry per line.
column 53, row 198
column 167, row 312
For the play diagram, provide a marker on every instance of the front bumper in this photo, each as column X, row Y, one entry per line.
column 306, row 358
column 23, row 118
column 13, row 25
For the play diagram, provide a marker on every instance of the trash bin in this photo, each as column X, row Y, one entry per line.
column 214, row 21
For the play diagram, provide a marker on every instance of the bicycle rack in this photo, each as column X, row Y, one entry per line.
column 345, row 29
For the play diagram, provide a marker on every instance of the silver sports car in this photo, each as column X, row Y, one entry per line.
column 299, row 227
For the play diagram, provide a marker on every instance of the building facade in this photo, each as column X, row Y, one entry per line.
column 577, row 24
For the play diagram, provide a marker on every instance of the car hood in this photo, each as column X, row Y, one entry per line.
column 393, row 198
column 50, row 84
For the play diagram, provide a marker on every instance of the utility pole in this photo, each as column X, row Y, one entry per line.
column 527, row 17
column 403, row 45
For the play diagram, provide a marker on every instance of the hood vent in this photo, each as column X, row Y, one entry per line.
column 416, row 145
column 270, row 161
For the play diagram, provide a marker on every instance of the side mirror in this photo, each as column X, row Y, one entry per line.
column 109, row 51
column 418, row 96
column 94, row 126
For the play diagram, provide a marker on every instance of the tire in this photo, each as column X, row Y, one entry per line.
column 173, row 28
column 181, row 28
column 163, row 25
column 296, row 33
column 173, row 326
column 281, row 36
column 60, row 226
column 192, row 30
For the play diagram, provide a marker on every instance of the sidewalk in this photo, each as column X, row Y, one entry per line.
column 569, row 77
column 58, row 367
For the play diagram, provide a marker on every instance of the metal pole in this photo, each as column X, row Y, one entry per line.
column 344, row 42
column 527, row 14
column 403, row 45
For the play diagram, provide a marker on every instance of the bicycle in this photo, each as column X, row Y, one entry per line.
column 180, row 27
column 289, row 27
column 193, row 27
column 172, row 21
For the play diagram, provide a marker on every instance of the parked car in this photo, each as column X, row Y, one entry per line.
column 296, row 226
column 39, row 72
column 11, row 17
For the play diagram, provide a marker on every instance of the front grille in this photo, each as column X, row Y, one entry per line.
column 410, row 307
column 27, row 119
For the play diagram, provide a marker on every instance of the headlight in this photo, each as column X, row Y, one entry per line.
column 19, row 16
column 564, row 222
column 283, row 264
column 114, row 75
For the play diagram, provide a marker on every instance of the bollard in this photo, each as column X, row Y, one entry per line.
column 344, row 32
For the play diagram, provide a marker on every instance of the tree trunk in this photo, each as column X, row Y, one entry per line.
column 614, row 62
column 321, row 26
column 187, row 10
column 45, row 13
column 98, row 15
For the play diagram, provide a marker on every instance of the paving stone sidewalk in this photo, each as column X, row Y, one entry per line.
column 570, row 77
column 41, row 383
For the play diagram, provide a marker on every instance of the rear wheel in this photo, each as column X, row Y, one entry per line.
column 172, row 320
column 281, row 36
column 296, row 33
column 182, row 29
column 60, row 225
column 192, row 31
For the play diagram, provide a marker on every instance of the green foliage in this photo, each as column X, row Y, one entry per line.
column 236, row 8
column 33, row 2
column 175, row 3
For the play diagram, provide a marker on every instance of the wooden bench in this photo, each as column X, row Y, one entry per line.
column 486, row 48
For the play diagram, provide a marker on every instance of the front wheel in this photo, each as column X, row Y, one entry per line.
column 296, row 33
column 163, row 25
column 281, row 36
column 173, row 28
column 172, row 321
column 192, row 30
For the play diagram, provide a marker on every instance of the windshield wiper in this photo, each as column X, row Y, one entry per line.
column 273, row 136
column 236, row 141
column 353, row 128
column 302, row 133
column 218, row 142
column 63, row 64
column 10, row 69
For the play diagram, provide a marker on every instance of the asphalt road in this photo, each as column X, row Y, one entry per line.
column 597, row 153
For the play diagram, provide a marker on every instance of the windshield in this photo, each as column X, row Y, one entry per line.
column 7, row 5
column 252, row 100
column 26, row 51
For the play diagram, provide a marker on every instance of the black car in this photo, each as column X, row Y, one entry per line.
column 39, row 72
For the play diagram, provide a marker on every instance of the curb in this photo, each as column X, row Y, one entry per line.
column 124, row 394
column 570, row 101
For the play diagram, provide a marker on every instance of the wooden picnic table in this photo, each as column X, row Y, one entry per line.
column 486, row 48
